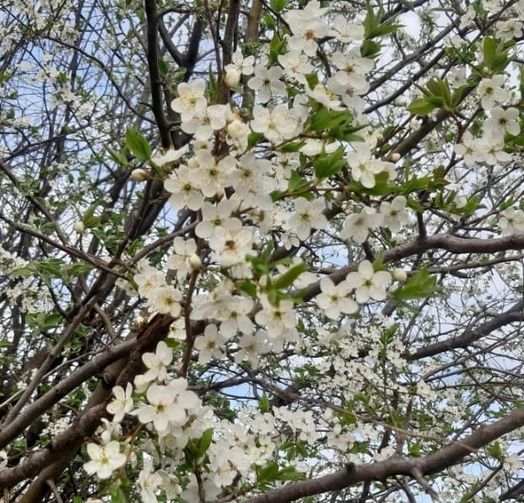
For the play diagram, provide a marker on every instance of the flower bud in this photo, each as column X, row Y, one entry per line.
column 400, row 275
column 395, row 156
column 79, row 227
column 237, row 129
column 232, row 77
column 194, row 261
column 139, row 175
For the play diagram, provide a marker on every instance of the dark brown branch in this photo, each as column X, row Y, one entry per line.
column 46, row 401
column 512, row 315
column 154, row 73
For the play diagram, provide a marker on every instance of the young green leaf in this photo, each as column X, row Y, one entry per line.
column 138, row 145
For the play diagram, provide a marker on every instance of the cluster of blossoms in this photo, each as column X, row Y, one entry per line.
column 248, row 180
column 502, row 120
column 366, row 284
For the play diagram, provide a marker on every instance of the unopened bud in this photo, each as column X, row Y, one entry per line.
column 139, row 175
column 79, row 227
column 400, row 275
column 232, row 77
column 395, row 156
column 194, row 261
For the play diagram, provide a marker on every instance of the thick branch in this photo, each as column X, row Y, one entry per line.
column 512, row 315
column 435, row 463
column 453, row 244
column 91, row 368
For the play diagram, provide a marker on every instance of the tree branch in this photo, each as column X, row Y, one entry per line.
column 353, row 474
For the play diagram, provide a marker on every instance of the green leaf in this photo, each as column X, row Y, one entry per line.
column 419, row 285
column 276, row 48
column 329, row 165
column 289, row 276
column 163, row 67
column 381, row 187
column 138, row 145
column 421, row 107
column 372, row 24
column 248, row 287
column 118, row 157
column 292, row 146
column 204, row 442
column 22, row 272
column 496, row 58
column 73, row 270
column 312, row 80
column 253, row 138
column 297, row 183
column 278, row 5
column 89, row 218
column 370, row 49
column 51, row 267
column 371, row 21
column 324, row 119
column 414, row 184
column 117, row 494
column 264, row 404
column 470, row 206
column 495, row 450
column 268, row 473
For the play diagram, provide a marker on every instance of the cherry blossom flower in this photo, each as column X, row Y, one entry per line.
column 213, row 175
column 266, row 82
column 307, row 216
column 252, row 346
column 239, row 66
column 296, row 65
column 170, row 156
column 236, row 317
column 160, row 409
column 156, row 364
column 394, row 214
column 148, row 279
column 323, row 95
column 352, row 69
column 368, row 283
column 184, row 259
column 345, row 30
column 185, row 401
column 509, row 29
column 231, row 246
column 307, row 25
column 192, row 492
column 203, row 126
column 335, row 299
column 503, row 121
column 122, row 403
column 191, row 100
column 491, row 150
column 364, row 166
column 276, row 124
column 512, row 221
column 357, row 225
column 210, row 345
column 491, row 91
column 215, row 216
column 149, row 481
column 165, row 300
column 185, row 188
column 105, row 459
column 470, row 149
column 278, row 320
